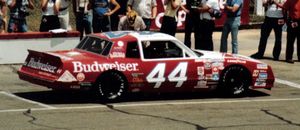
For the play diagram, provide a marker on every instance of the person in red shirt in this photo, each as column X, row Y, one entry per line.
column 292, row 8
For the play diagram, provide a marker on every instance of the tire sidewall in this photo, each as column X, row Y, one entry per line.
column 103, row 89
column 227, row 86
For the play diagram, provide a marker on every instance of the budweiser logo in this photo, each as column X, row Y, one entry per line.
column 96, row 67
column 41, row 66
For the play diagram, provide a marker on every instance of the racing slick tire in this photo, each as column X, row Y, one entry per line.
column 111, row 86
column 235, row 81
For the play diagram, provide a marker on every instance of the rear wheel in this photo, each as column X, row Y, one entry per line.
column 235, row 81
column 111, row 86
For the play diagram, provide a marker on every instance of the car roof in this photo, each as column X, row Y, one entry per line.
column 139, row 35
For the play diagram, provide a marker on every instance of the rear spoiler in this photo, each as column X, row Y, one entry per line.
column 43, row 61
column 44, row 55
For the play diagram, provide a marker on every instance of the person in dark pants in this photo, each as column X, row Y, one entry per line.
column 191, row 21
column 50, row 10
column 206, row 26
column 169, row 22
column 293, row 28
column 83, row 17
column 115, row 17
column 273, row 20
column 101, row 14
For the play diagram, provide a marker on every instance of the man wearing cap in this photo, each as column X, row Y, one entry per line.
column 145, row 8
column 131, row 22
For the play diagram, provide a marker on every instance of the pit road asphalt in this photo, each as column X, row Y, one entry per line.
column 25, row 106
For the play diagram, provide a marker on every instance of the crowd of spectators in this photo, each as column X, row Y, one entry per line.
column 111, row 15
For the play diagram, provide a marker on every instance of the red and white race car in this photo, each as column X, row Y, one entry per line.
column 114, row 63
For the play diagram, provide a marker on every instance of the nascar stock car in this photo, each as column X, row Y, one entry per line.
column 115, row 63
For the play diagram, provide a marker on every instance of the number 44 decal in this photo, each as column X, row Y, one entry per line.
column 177, row 75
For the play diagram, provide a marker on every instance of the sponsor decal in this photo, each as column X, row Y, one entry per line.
column 215, row 76
column 207, row 65
column 46, row 74
column 66, row 77
column 262, row 66
column 118, row 49
column 58, row 71
column 120, row 43
column 136, row 77
column 209, row 76
column 200, row 70
column 263, row 76
column 85, row 84
column 263, row 71
column 219, row 65
column 137, row 80
column 237, row 61
column 201, row 84
column 136, row 74
column 117, row 55
column 255, row 73
column 41, row 66
column 260, row 82
column 80, row 76
column 201, row 77
column 96, row 67
column 215, row 70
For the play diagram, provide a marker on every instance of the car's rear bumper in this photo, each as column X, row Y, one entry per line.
column 46, row 82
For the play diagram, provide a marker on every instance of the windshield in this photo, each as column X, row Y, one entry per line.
column 95, row 45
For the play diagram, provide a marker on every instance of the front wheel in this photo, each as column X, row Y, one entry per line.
column 111, row 86
column 235, row 81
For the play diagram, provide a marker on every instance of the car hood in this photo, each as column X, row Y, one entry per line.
column 224, row 56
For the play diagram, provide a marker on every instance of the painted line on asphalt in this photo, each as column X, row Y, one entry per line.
column 48, row 107
column 151, row 104
column 286, row 82
column 26, row 100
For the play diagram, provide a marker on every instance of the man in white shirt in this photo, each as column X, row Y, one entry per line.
column 273, row 20
column 204, row 32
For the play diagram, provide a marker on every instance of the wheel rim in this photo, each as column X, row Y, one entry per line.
column 111, row 86
column 236, row 81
